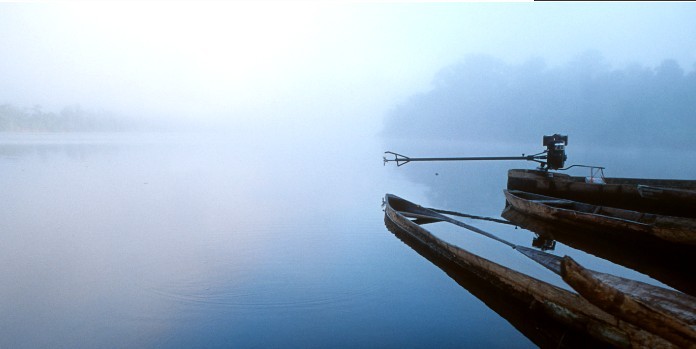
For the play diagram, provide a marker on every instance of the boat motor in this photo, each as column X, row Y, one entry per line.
column 555, row 151
column 553, row 158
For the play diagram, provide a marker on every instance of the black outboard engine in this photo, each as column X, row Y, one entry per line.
column 555, row 149
column 552, row 158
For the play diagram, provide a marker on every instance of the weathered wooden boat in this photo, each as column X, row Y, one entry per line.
column 563, row 306
column 652, row 308
column 685, row 197
column 632, row 224
column 668, row 263
column 524, row 315
column 606, row 191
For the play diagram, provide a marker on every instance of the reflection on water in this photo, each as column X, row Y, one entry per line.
column 219, row 240
column 670, row 264
column 476, row 188
column 120, row 240
column 538, row 326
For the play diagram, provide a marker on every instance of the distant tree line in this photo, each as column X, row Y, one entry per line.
column 69, row 119
column 485, row 98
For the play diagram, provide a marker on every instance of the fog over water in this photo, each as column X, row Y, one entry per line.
column 306, row 62
column 186, row 174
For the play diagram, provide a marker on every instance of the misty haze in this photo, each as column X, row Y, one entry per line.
column 209, row 174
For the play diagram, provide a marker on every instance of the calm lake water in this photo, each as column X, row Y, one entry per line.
column 220, row 240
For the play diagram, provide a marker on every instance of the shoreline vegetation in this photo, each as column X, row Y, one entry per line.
column 483, row 98
column 69, row 119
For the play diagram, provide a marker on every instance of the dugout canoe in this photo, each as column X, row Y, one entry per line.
column 630, row 224
column 526, row 317
column 565, row 307
column 661, row 311
column 607, row 191
column 674, row 195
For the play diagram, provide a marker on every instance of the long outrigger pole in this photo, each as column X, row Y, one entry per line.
column 403, row 159
column 552, row 158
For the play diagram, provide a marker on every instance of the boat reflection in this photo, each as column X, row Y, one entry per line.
column 667, row 263
column 530, row 320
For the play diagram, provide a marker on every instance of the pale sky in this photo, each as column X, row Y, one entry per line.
column 315, row 60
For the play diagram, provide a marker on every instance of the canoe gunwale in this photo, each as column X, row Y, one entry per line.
column 679, row 230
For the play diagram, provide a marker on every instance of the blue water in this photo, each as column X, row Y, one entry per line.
column 219, row 240
column 146, row 240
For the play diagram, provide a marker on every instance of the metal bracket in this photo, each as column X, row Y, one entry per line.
column 398, row 158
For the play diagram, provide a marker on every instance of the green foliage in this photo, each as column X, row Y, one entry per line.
column 69, row 119
column 485, row 98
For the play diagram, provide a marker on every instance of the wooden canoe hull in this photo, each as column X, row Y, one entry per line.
column 563, row 306
column 632, row 224
column 528, row 317
column 684, row 197
column 614, row 192
column 663, row 312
